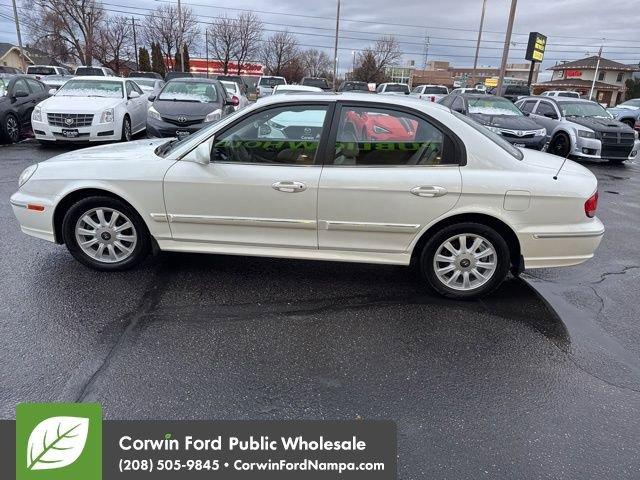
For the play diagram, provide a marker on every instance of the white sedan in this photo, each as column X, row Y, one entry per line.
column 91, row 109
column 234, row 90
column 335, row 177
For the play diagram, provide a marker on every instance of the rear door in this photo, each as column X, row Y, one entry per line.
column 546, row 115
column 389, row 172
column 22, row 105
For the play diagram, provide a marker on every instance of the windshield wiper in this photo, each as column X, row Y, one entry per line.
column 164, row 149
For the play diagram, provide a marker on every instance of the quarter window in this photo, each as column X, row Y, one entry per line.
column 527, row 106
column 381, row 137
column 278, row 136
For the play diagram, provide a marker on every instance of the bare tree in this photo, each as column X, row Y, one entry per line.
column 249, row 35
column 223, row 40
column 278, row 51
column 162, row 27
column 67, row 27
column 373, row 62
column 114, row 43
column 316, row 63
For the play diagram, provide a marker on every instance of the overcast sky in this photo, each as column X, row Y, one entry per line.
column 574, row 27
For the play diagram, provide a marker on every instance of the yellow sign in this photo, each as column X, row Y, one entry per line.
column 491, row 82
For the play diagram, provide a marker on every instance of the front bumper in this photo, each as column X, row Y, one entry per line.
column 101, row 132
column 535, row 143
column 591, row 148
column 161, row 129
column 559, row 246
column 33, row 221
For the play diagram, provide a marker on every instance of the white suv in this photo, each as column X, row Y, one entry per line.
column 94, row 72
column 266, row 85
column 561, row 93
column 393, row 89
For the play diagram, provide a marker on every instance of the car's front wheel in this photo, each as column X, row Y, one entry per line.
column 105, row 233
column 560, row 145
column 126, row 129
column 10, row 129
column 465, row 260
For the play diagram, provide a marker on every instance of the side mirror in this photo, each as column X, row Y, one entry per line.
column 201, row 154
column 52, row 91
column 151, row 97
column 20, row 94
column 233, row 101
column 134, row 94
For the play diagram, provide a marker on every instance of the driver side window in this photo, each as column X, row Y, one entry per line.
column 279, row 136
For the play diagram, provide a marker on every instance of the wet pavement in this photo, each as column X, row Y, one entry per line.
column 539, row 382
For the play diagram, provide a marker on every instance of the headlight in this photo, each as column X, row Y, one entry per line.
column 635, row 133
column 540, row 133
column 380, row 130
column 494, row 129
column 213, row 116
column 36, row 116
column 26, row 174
column 586, row 134
column 107, row 116
column 153, row 113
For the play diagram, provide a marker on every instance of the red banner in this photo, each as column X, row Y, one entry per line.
column 199, row 65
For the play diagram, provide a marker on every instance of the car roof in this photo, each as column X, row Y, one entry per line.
column 355, row 97
column 100, row 77
column 193, row 80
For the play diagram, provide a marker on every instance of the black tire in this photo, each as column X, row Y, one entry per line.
column 10, row 129
column 126, row 129
column 502, row 259
column 629, row 121
column 79, row 209
column 560, row 145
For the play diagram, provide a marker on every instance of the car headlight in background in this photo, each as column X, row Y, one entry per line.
column 377, row 129
column 36, row 116
column 540, row 133
column 586, row 134
column 107, row 116
column 26, row 174
column 214, row 116
column 494, row 129
column 153, row 113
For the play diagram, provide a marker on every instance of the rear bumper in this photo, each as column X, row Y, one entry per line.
column 559, row 246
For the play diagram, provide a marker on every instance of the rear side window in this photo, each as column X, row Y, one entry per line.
column 545, row 108
column 35, row 86
column 41, row 70
column 527, row 106
column 371, row 136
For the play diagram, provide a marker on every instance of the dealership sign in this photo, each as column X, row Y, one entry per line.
column 535, row 47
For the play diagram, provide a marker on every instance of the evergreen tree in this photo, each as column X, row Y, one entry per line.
column 157, row 61
column 185, row 54
column 177, row 62
column 144, row 62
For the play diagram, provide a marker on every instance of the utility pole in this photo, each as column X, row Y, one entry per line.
column 595, row 74
column 427, row 43
column 475, row 60
column 135, row 42
column 23, row 61
column 507, row 41
column 181, row 42
column 206, row 48
column 335, row 50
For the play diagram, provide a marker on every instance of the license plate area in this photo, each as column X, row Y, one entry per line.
column 182, row 134
column 70, row 132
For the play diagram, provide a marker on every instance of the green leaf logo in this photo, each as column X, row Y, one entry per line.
column 56, row 442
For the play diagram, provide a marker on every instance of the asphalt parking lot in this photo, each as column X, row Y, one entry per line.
column 540, row 380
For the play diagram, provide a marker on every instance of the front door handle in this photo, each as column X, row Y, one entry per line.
column 429, row 191
column 290, row 187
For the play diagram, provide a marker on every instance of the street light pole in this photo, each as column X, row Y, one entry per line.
column 595, row 74
column 15, row 17
column 335, row 50
column 181, row 42
column 475, row 60
column 507, row 41
column 135, row 42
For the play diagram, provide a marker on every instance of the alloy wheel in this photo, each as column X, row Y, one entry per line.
column 12, row 129
column 106, row 235
column 465, row 262
column 127, row 130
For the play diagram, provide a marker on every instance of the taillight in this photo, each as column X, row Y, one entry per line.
column 433, row 99
column 258, row 91
column 591, row 205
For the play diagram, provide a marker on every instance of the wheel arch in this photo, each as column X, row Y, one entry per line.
column 62, row 207
column 502, row 228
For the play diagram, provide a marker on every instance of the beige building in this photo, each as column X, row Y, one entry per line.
column 578, row 76
column 10, row 56
column 441, row 72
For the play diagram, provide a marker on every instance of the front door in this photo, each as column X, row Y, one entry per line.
column 390, row 174
column 261, row 187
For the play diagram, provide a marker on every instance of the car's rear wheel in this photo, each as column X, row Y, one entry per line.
column 10, row 129
column 105, row 233
column 465, row 260
column 629, row 121
column 126, row 129
column 560, row 145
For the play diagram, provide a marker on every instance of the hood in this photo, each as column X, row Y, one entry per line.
column 623, row 108
column 62, row 104
column 127, row 151
column 192, row 110
column 511, row 122
column 552, row 163
column 600, row 124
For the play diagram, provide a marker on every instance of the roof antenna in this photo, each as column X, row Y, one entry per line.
column 555, row 177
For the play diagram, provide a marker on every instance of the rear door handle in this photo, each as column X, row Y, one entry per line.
column 429, row 191
column 290, row 187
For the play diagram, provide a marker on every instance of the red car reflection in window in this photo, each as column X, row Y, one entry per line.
column 372, row 126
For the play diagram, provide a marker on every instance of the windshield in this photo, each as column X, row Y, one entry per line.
column 315, row 82
column 436, row 90
column 396, row 87
column 91, row 88
column 494, row 137
column 492, row 106
column 517, row 90
column 88, row 71
column 230, row 86
column 272, row 81
column 583, row 109
column 177, row 91
column 143, row 82
column 41, row 71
